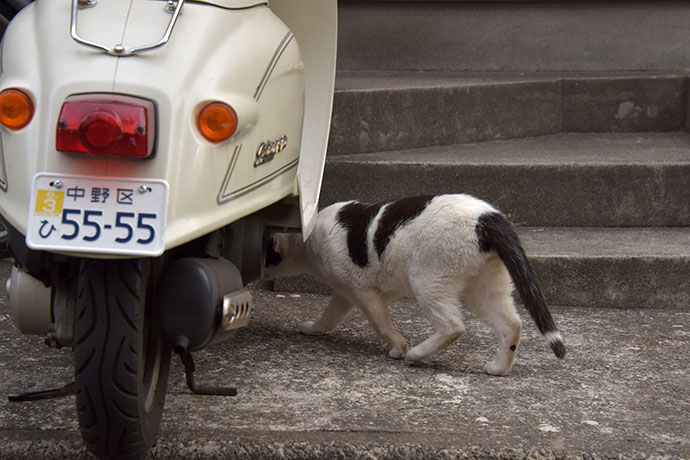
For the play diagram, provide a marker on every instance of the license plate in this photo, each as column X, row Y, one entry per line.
column 97, row 215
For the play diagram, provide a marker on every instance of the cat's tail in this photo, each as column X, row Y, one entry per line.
column 495, row 232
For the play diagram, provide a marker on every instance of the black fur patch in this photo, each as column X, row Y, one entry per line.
column 513, row 348
column 272, row 256
column 356, row 217
column 495, row 232
column 558, row 348
column 397, row 214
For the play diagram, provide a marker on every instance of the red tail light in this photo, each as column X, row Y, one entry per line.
column 107, row 125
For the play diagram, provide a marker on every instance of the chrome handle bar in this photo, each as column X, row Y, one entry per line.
column 120, row 49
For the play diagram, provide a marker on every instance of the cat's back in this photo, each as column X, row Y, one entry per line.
column 437, row 231
column 368, row 235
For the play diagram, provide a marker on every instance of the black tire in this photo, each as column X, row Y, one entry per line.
column 121, row 363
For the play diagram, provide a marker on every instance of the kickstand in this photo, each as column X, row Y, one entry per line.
column 68, row 390
column 188, row 363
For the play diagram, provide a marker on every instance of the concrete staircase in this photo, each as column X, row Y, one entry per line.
column 571, row 117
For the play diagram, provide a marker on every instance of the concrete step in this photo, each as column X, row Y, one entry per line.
column 563, row 180
column 624, row 268
column 612, row 267
column 383, row 111
column 514, row 35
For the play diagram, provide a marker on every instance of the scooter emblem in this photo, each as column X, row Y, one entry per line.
column 268, row 150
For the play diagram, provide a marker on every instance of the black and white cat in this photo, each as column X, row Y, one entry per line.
column 445, row 251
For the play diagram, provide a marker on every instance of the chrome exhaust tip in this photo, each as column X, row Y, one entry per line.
column 237, row 309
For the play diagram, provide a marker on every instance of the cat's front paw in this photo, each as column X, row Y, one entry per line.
column 309, row 328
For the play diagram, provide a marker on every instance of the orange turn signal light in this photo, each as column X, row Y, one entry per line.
column 16, row 108
column 217, row 122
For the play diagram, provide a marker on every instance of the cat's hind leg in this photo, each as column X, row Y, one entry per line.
column 441, row 303
column 488, row 295
column 374, row 308
column 336, row 311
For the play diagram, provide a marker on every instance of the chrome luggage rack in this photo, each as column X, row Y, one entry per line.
column 173, row 6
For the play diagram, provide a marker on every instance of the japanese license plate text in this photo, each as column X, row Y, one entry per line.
column 97, row 215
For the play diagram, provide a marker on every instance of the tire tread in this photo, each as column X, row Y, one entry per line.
column 110, row 302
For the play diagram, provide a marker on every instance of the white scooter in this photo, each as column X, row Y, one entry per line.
column 146, row 149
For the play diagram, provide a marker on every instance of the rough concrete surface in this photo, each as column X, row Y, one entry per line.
column 383, row 111
column 380, row 120
column 623, row 391
column 513, row 35
column 563, row 180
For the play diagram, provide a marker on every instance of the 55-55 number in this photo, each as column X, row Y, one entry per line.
column 127, row 222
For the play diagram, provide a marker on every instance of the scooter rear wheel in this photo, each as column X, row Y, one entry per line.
column 121, row 363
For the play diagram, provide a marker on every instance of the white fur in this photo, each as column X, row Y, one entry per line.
column 434, row 258
column 553, row 337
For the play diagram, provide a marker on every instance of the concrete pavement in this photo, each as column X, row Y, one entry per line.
column 622, row 392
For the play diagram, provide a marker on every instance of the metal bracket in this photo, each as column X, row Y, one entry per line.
column 170, row 6
column 120, row 50
column 68, row 390
column 86, row 3
column 189, row 369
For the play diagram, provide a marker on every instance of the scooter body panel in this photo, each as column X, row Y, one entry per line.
column 208, row 58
